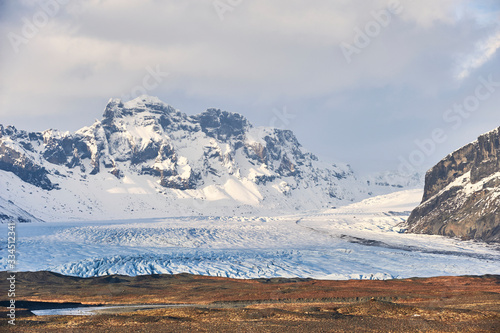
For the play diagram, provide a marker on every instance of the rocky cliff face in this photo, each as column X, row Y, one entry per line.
column 462, row 193
column 147, row 159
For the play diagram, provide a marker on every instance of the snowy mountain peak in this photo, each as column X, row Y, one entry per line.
column 146, row 158
column 153, row 105
column 144, row 101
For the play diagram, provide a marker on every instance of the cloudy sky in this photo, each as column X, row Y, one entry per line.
column 377, row 84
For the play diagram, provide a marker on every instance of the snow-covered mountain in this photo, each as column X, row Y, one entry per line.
column 462, row 193
column 147, row 159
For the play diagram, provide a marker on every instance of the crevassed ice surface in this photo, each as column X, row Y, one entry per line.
column 360, row 241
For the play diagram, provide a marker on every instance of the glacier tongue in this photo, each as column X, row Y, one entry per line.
column 364, row 240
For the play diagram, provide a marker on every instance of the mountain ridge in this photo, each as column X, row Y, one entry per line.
column 213, row 161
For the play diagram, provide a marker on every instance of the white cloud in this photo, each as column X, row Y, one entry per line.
column 427, row 13
column 484, row 51
column 280, row 47
column 263, row 55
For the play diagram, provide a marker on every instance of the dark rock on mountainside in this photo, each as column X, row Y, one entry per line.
column 462, row 193
column 222, row 125
column 20, row 164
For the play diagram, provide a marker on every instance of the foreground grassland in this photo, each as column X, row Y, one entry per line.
column 210, row 304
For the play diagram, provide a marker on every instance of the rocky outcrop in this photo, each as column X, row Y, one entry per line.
column 462, row 193
column 19, row 163
column 222, row 125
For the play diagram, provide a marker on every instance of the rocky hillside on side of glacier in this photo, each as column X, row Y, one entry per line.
column 462, row 193
column 147, row 159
